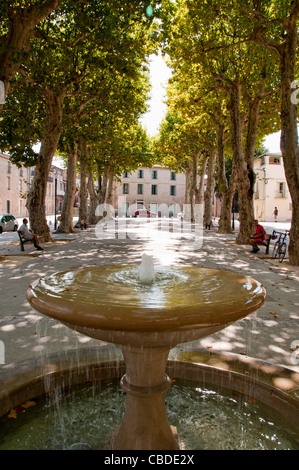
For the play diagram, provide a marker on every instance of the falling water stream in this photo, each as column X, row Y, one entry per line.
column 206, row 418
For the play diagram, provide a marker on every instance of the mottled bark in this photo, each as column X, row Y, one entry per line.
column 225, row 222
column 66, row 223
column 187, row 195
column 225, row 190
column 109, row 192
column 92, row 218
column 240, row 164
column 199, row 187
column 37, row 194
column 83, row 207
column 103, row 182
column 289, row 133
column 208, row 194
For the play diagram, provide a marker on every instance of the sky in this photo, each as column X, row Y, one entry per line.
column 159, row 75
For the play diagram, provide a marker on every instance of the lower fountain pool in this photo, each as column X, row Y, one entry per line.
column 206, row 418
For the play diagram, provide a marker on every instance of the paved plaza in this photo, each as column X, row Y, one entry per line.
column 270, row 334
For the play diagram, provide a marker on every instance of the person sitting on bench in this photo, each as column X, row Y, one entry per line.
column 257, row 237
column 29, row 235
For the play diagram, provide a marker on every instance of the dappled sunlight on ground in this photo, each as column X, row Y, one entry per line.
column 266, row 334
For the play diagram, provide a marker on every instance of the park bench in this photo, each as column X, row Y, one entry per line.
column 23, row 241
column 266, row 242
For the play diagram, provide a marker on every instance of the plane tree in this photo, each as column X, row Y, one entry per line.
column 194, row 95
column 105, row 104
column 274, row 26
column 18, row 20
column 69, row 46
column 202, row 33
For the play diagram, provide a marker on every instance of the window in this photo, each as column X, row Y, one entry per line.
column 8, row 207
column 281, row 189
column 172, row 176
column 8, row 167
column 8, row 183
column 21, row 171
column 154, row 189
column 256, row 192
column 280, row 193
column 139, row 188
column 126, row 174
column 125, row 188
column 154, row 174
column 172, row 190
column 140, row 173
column 274, row 160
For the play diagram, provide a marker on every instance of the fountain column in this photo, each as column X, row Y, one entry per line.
column 145, row 423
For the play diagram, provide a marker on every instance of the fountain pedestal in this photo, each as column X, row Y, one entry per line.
column 145, row 420
column 108, row 303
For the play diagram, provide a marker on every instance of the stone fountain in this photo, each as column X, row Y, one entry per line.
column 146, row 311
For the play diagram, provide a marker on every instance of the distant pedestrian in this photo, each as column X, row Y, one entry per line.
column 275, row 213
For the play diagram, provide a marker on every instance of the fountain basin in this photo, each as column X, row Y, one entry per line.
column 146, row 320
column 109, row 303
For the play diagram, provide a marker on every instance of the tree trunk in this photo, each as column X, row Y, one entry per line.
column 37, row 194
column 188, row 173
column 242, row 180
column 225, row 190
column 83, row 207
column 92, row 218
column 193, row 191
column 254, row 105
column 102, row 194
column 225, row 223
column 66, row 223
column 289, row 133
column 109, row 193
column 199, row 190
column 208, row 194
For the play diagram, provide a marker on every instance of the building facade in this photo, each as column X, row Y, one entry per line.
column 157, row 189
column 271, row 189
column 15, row 183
